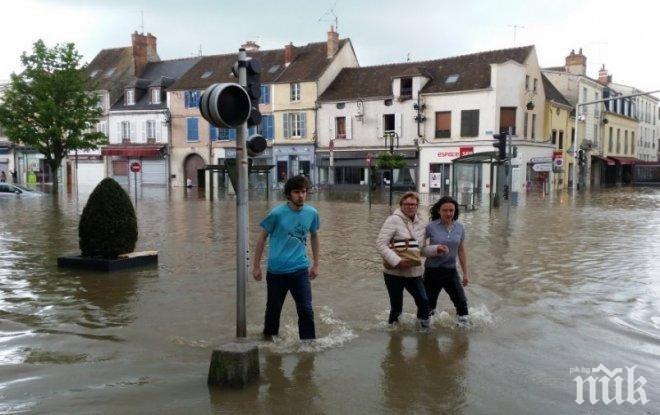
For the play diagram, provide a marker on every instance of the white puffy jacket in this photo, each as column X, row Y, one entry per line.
column 400, row 226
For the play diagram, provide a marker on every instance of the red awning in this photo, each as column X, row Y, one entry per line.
column 624, row 160
column 133, row 150
column 603, row 160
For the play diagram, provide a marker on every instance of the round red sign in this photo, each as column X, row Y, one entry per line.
column 135, row 167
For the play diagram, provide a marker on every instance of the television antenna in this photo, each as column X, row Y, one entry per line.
column 334, row 17
column 515, row 31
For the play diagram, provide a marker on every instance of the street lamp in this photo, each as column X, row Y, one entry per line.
column 391, row 135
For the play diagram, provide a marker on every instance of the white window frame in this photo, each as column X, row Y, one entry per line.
column 155, row 95
column 125, row 130
column 295, row 124
column 150, row 128
column 295, row 92
column 130, row 97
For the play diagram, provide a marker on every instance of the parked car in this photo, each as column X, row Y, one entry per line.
column 13, row 190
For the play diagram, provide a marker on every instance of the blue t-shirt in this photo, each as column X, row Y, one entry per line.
column 440, row 235
column 288, row 231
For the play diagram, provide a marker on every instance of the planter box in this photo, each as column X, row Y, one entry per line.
column 107, row 265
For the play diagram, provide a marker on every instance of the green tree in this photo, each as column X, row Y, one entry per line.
column 49, row 106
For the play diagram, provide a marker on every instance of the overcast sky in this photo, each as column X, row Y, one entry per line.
column 623, row 35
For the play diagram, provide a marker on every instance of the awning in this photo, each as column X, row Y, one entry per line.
column 624, row 160
column 605, row 160
column 133, row 150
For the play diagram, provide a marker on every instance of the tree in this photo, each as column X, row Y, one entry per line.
column 49, row 106
column 108, row 226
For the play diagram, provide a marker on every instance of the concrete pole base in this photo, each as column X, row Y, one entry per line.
column 234, row 365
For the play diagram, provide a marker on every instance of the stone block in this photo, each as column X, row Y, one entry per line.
column 234, row 365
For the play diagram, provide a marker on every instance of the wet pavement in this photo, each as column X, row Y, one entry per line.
column 560, row 284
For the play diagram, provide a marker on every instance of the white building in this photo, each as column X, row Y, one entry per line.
column 440, row 110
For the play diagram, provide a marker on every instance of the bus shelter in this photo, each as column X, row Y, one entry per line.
column 468, row 178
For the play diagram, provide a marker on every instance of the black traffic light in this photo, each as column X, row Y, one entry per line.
column 256, row 145
column 515, row 152
column 500, row 145
column 254, row 90
column 582, row 159
column 225, row 105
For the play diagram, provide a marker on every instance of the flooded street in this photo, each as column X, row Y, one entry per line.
column 560, row 284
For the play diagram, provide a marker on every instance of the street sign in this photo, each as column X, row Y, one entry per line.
column 136, row 167
column 540, row 160
column 542, row 167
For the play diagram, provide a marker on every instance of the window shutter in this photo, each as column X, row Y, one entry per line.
column 303, row 124
column 159, row 130
column 232, row 134
column 134, row 132
column 270, row 127
column 119, row 132
column 397, row 124
column 143, row 136
column 285, row 118
column 349, row 125
column 332, row 124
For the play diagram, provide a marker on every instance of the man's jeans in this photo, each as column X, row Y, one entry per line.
column 301, row 290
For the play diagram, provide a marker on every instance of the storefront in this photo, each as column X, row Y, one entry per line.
column 292, row 160
column 152, row 158
column 437, row 173
column 351, row 169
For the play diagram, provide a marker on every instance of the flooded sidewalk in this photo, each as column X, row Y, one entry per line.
column 560, row 284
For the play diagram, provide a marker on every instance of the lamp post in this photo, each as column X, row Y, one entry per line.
column 391, row 135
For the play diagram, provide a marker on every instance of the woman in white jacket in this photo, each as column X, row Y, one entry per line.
column 405, row 225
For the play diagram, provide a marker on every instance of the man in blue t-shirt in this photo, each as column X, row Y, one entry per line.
column 288, row 266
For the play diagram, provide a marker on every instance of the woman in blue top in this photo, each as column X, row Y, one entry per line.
column 440, row 271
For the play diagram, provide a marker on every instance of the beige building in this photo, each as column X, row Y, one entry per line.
column 559, row 123
column 292, row 79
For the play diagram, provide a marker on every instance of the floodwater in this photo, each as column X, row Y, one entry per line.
column 560, row 285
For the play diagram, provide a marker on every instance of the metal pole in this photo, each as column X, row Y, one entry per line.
column 211, row 172
column 509, row 171
column 391, row 169
column 242, row 257
column 575, row 139
column 76, row 176
column 135, row 176
column 331, row 169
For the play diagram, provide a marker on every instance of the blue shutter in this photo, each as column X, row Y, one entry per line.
column 252, row 130
column 269, row 130
column 286, row 125
column 193, row 132
column 186, row 97
column 265, row 95
column 213, row 132
column 303, row 124
column 232, row 134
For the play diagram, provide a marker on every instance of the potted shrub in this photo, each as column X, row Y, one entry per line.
column 108, row 232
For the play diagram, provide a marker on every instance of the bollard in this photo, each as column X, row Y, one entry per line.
column 234, row 365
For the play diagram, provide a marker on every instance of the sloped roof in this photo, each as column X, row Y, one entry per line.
column 112, row 70
column 156, row 74
column 552, row 93
column 309, row 62
column 556, row 69
column 376, row 81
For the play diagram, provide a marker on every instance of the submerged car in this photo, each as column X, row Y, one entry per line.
column 13, row 190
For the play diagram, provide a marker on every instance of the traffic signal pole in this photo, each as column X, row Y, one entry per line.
column 242, row 249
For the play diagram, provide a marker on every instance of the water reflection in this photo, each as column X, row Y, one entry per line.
column 425, row 373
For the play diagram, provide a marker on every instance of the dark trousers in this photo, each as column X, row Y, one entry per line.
column 301, row 290
column 435, row 279
column 415, row 286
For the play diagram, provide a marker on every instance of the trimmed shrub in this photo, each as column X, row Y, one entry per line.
column 108, row 226
column 391, row 161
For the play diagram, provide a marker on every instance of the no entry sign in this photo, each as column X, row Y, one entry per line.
column 135, row 167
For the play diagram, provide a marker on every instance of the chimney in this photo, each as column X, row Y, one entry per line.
column 289, row 53
column 603, row 77
column 333, row 42
column 576, row 63
column 250, row 45
column 144, row 50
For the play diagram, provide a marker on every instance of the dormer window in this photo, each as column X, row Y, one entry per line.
column 451, row 79
column 155, row 95
column 406, row 87
column 129, row 97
